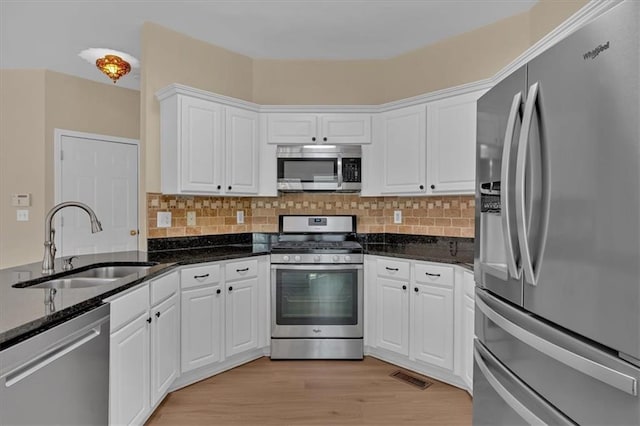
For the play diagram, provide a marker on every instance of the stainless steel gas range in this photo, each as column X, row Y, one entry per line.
column 316, row 289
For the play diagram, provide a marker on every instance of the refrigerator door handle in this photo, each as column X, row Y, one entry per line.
column 514, row 269
column 584, row 365
column 530, row 275
column 485, row 362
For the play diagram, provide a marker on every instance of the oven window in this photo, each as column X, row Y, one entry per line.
column 308, row 170
column 317, row 297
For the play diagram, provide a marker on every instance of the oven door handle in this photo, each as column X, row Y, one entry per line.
column 318, row 267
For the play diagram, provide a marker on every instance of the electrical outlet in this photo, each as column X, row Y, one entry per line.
column 22, row 215
column 191, row 218
column 397, row 216
column 164, row 219
column 240, row 216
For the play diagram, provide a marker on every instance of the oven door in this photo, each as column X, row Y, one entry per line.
column 316, row 301
column 309, row 174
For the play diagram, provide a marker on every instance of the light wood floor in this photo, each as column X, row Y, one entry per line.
column 266, row 392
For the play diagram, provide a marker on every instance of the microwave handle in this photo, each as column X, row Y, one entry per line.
column 339, row 171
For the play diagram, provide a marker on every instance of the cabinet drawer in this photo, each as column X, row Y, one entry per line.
column 434, row 274
column 128, row 307
column 202, row 275
column 392, row 268
column 241, row 270
column 163, row 287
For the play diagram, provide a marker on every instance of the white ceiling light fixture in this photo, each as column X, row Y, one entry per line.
column 113, row 63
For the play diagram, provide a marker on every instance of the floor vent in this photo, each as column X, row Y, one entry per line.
column 419, row 383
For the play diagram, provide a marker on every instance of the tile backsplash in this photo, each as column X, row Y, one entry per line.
column 451, row 216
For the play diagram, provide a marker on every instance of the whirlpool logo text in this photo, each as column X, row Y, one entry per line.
column 595, row 52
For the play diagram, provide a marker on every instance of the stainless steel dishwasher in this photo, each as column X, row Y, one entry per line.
column 60, row 376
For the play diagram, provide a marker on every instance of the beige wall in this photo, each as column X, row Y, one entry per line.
column 22, row 163
column 33, row 104
column 548, row 14
column 288, row 82
column 171, row 57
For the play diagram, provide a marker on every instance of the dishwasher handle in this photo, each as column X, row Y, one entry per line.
column 23, row 371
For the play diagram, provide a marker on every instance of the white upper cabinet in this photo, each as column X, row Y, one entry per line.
column 199, row 148
column 451, row 145
column 207, row 147
column 241, row 143
column 401, row 150
column 302, row 128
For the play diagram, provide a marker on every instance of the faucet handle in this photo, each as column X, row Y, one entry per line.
column 67, row 265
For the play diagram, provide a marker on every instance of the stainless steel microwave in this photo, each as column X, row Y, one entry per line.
column 328, row 168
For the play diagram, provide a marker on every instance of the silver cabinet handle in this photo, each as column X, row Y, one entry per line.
column 505, row 184
column 29, row 368
column 480, row 354
column 584, row 365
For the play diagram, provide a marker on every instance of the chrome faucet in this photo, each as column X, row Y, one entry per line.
column 49, row 232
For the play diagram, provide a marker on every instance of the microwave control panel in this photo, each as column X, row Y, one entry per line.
column 351, row 169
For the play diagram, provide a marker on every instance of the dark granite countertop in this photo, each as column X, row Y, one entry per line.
column 25, row 312
column 453, row 250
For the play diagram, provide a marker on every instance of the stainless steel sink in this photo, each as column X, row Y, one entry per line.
column 92, row 277
column 74, row 283
column 110, row 272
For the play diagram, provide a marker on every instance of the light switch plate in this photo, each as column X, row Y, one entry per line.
column 240, row 216
column 397, row 216
column 22, row 215
column 191, row 218
column 164, row 219
column 21, row 200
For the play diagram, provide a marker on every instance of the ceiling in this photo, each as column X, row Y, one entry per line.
column 50, row 34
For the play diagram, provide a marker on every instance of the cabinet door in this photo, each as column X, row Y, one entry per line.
column 403, row 144
column 345, row 128
column 129, row 373
column 292, row 128
column 201, row 327
column 241, row 316
column 165, row 344
column 392, row 315
column 468, row 333
column 432, row 322
column 200, row 146
column 451, row 145
column 241, row 143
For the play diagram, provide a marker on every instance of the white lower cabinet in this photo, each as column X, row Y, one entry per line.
column 392, row 319
column 241, row 316
column 413, row 305
column 143, row 354
column 432, row 325
column 202, row 311
column 223, row 311
column 165, row 343
column 129, row 373
column 467, row 314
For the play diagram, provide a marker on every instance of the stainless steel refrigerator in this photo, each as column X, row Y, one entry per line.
column 557, row 256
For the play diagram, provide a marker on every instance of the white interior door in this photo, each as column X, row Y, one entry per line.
column 103, row 173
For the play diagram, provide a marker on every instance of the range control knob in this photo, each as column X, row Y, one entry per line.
column 316, row 258
column 297, row 258
column 285, row 258
column 335, row 258
column 347, row 258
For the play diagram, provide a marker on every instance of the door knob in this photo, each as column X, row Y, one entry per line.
column 133, row 232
